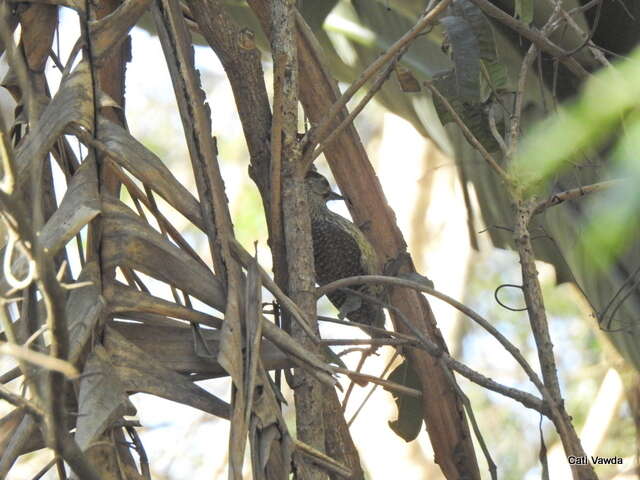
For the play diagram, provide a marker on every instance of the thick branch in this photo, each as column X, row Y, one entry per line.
column 540, row 328
column 295, row 215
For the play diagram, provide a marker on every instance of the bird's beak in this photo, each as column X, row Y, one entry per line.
column 334, row 196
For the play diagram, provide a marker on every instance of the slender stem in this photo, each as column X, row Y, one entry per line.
column 532, row 53
column 389, row 385
column 574, row 193
column 471, row 138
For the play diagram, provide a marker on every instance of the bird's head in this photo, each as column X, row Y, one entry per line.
column 318, row 188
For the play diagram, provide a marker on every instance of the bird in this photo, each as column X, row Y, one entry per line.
column 341, row 250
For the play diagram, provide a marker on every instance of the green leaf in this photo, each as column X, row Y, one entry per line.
column 471, row 39
column 408, row 8
column 524, row 10
column 424, row 57
column 494, row 77
column 409, row 422
column 614, row 222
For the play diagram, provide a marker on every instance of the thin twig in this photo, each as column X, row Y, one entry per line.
column 471, row 138
column 493, row 470
column 494, row 131
column 373, row 388
column 20, row 401
column 41, row 473
column 514, row 130
column 514, row 134
column 371, row 330
column 574, row 193
column 367, row 341
column 321, row 459
column 512, row 349
column 431, row 348
column 40, row 359
column 363, row 357
column 142, row 454
column 396, row 387
column 18, row 64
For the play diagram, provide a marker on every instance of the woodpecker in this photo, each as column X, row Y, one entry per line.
column 341, row 250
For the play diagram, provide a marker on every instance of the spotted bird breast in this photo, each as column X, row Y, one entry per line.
column 341, row 250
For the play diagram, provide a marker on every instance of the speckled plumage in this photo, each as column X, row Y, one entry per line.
column 341, row 250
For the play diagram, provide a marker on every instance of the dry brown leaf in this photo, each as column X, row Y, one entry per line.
column 80, row 204
column 8, row 425
column 141, row 372
column 85, row 307
column 126, row 302
column 71, row 104
column 38, row 26
column 131, row 155
column 78, row 207
column 128, row 241
column 196, row 119
column 19, row 434
column 110, row 31
column 77, row 5
column 253, row 334
column 102, row 399
column 173, row 347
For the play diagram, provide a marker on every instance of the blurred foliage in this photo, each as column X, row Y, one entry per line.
column 606, row 106
column 603, row 117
